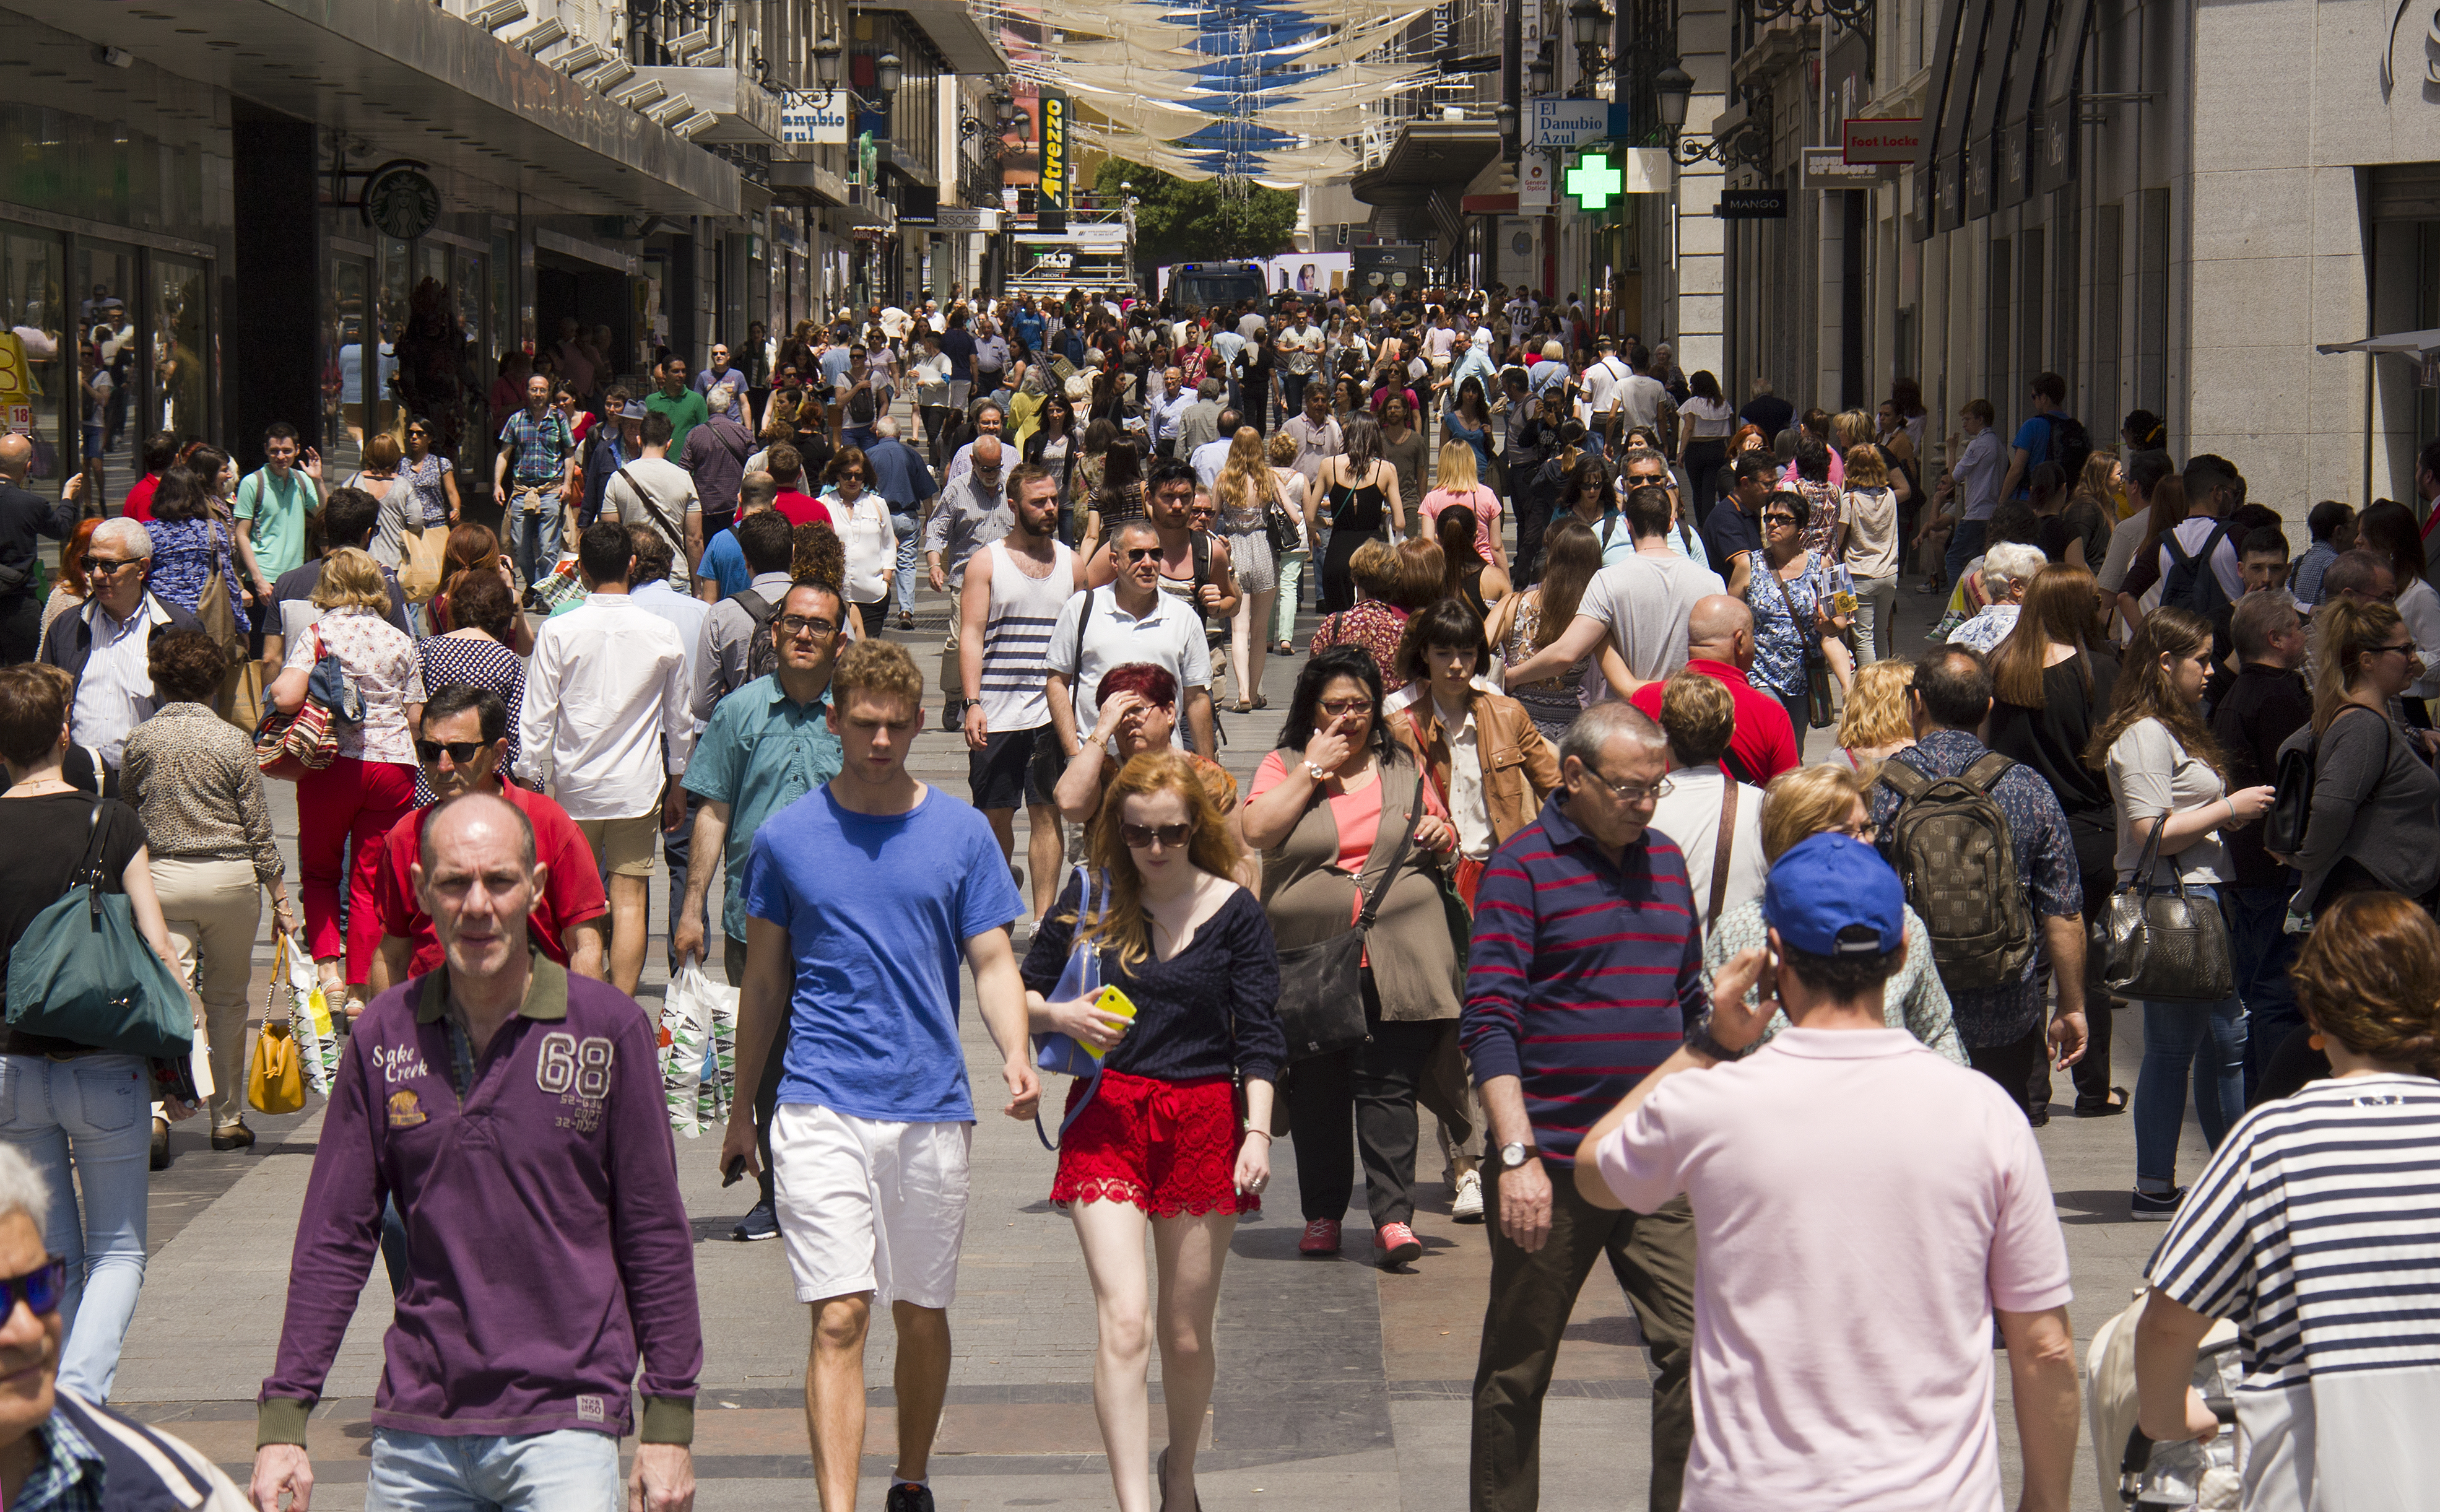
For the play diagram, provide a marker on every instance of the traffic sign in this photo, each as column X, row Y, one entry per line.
column 1594, row 181
column 1567, row 124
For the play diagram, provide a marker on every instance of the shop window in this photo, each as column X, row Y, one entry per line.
column 105, row 354
column 178, row 343
column 35, row 293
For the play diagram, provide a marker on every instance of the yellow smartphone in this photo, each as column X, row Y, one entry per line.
column 1118, row 1005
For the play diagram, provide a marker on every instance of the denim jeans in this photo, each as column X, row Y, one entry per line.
column 91, row 1117
column 1964, row 547
column 2201, row 1040
column 533, row 531
column 2263, row 951
column 570, row 1470
column 911, row 560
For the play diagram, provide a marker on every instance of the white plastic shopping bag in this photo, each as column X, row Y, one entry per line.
column 309, row 1015
column 698, row 1041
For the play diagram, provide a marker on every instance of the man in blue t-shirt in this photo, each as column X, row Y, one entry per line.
column 860, row 897
column 957, row 345
column 2031, row 446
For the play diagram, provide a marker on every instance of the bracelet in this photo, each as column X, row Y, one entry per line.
column 2231, row 805
column 1247, row 1125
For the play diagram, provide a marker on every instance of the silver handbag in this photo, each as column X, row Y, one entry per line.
column 2163, row 946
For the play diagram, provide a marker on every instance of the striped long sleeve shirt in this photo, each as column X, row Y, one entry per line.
column 1583, row 974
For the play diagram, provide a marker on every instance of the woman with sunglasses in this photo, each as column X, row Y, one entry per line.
column 2169, row 784
column 862, row 520
column 2372, row 826
column 480, row 653
column 1791, row 608
column 1157, row 1140
column 1330, row 809
column 434, row 477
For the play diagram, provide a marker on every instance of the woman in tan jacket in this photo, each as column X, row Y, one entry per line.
column 1485, row 761
column 1330, row 808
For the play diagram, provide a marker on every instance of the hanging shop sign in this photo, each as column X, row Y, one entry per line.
column 816, row 117
column 400, row 202
column 1752, row 204
column 1052, row 178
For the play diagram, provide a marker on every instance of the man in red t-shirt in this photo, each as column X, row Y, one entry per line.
column 465, row 748
column 159, row 452
column 1719, row 644
column 786, row 466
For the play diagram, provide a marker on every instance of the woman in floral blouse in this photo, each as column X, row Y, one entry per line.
column 371, row 783
column 187, row 543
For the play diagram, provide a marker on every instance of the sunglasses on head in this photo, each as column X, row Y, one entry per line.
column 460, row 752
column 1139, row 836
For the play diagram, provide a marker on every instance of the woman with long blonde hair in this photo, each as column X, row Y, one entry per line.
column 1460, row 482
column 1155, row 1142
column 1243, row 492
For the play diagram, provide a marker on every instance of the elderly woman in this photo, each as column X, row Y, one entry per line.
column 2008, row 569
column 370, row 783
column 1137, row 711
column 1392, row 582
column 1814, row 801
column 1330, row 808
column 193, row 778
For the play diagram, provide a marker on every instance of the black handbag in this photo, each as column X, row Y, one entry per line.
column 2165, row 947
column 1322, row 986
column 1821, row 710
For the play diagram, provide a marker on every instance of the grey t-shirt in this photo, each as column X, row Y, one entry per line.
column 2150, row 774
column 1643, row 601
column 672, row 493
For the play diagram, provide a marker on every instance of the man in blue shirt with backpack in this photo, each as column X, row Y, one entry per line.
column 2051, row 435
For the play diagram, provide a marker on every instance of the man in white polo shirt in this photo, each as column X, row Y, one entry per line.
column 1864, row 1208
column 1128, row 620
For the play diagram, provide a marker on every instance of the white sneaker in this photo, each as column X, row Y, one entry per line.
column 1467, row 1208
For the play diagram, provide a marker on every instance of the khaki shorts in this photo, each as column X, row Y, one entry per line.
column 623, row 847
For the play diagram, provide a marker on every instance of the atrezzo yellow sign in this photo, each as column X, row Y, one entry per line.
column 1053, row 184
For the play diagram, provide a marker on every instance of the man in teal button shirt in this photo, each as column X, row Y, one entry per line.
column 767, row 745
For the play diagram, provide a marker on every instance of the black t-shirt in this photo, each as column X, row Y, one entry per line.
column 2052, row 534
column 958, row 347
column 47, row 840
column 2052, row 740
column 1773, row 413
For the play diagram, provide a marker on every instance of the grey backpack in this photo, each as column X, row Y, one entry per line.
column 1952, row 848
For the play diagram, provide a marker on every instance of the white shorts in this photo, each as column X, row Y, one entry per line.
column 871, row 1206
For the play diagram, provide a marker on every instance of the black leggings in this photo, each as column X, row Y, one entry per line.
column 1376, row 1080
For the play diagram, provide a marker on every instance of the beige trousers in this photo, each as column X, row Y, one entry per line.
column 212, row 908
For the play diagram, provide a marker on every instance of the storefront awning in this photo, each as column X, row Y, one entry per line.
column 411, row 80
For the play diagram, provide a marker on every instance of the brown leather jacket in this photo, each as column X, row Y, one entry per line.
column 1519, row 768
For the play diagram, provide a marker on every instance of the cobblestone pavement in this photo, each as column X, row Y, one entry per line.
column 1338, row 1382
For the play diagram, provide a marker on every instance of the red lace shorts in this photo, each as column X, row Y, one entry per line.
column 1167, row 1147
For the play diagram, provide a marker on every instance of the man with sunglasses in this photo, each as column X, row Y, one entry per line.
column 463, row 743
column 767, row 745
column 56, row 1450
column 1127, row 620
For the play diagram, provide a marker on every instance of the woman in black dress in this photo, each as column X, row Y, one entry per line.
column 1360, row 498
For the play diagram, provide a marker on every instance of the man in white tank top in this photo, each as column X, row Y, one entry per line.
column 1013, row 591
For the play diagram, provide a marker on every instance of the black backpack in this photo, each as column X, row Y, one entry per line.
column 2191, row 583
column 2071, row 446
column 762, row 652
column 1953, row 851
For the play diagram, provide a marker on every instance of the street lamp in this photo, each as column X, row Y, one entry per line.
column 1670, row 88
column 1538, row 71
column 1588, row 25
column 826, row 60
column 889, row 73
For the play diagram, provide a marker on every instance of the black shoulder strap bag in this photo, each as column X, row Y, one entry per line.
column 1322, row 986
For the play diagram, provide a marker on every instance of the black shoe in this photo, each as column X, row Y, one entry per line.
column 2155, row 1206
column 160, row 1145
column 2109, row 1105
column 953, row 716
column 234, row 1137
column 762, row 1223
column 906, row 1497
column 2038, row 1117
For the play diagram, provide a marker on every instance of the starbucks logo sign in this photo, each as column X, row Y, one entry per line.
column 400, row 202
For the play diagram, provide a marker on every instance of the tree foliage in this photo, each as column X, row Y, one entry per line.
column 1180, row 220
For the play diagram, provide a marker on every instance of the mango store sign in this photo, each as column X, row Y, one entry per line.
column 1895, row 143
column 815, row 117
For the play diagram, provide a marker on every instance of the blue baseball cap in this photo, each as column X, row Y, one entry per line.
column 1827, row 883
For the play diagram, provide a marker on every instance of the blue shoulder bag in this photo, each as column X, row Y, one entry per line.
column 1058, row 1052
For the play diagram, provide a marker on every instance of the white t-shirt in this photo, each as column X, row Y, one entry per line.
column 1691, row 815
column 1639, row 397
column 1862, row 1206
column 1169, row 636
column 1872, row 516
column 1714, row 419
column 1643, row 601
column 672, row 488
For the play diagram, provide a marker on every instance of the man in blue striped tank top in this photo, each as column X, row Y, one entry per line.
column 1013, row 591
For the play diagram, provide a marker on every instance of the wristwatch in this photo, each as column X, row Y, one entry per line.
column 1318, row 775
column 1701, row 1043
column 1513, row 1155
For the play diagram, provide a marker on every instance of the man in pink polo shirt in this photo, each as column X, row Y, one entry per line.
column 1864, row 1208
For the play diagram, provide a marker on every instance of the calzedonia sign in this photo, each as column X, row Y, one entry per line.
column 1052, row 181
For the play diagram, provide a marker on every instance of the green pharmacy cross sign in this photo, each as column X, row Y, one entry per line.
column 1594, row 181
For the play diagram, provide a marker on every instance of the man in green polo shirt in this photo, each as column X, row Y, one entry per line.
column 684, row 408
column 272, row 507
column 768, row 744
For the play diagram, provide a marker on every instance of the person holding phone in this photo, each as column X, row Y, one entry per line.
column 1156, row 1139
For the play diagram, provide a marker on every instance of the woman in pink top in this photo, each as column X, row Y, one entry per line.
column 1459, row 483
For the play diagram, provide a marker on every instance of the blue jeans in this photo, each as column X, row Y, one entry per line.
column 534, row 530
column 2205, row 1040
column 92, row 1117
column 1964, row 547
column 570, row 1470
column 910, row 562
column 2263, row 951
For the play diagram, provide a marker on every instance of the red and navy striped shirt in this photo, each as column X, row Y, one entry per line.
column 1584, row 975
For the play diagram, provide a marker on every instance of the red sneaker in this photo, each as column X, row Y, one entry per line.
column 1320, row 1237
column 1398, row 1244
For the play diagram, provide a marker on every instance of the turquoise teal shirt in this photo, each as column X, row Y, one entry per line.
column 761, row 752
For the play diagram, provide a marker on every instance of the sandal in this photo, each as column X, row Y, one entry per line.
column 1261, row 702
column 1241, row 707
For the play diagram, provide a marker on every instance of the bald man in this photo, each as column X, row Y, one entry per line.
column 24, row 515
column 972, row 512
column 569, row 1157
column 1720, row 646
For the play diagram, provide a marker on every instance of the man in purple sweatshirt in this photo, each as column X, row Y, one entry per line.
column 515, row 1114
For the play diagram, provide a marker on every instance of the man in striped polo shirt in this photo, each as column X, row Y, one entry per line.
column 1585, row 972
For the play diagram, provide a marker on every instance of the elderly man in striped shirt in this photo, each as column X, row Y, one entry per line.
column 1584, row 974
